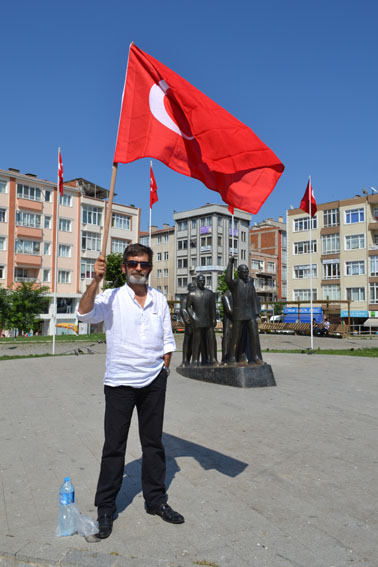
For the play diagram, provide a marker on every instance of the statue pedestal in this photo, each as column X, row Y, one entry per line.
column 239, row 376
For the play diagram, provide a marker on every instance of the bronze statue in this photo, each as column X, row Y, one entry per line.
column 227, row 325
column 188, row 336
column 200, row 305
column 245, row 309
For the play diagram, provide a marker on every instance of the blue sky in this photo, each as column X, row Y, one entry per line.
column 301, row 74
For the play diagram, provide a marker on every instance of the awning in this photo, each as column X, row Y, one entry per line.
column 371, row 322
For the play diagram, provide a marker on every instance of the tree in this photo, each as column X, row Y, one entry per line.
column 278, row 308
column 114, row 276
column 222, row 287
column 4, row 300
column 25, row 303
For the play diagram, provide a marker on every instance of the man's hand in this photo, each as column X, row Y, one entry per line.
column 232, row 259
column 99, row 269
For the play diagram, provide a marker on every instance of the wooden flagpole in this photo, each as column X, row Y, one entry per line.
column 109, row 210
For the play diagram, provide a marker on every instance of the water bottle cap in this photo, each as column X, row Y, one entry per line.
column 67, row 479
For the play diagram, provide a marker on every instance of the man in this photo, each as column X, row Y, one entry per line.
column 188, row 336
column 139, row 347
column 202, row 312
column 245, row 309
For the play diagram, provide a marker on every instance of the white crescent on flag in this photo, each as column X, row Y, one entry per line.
column 158, row 110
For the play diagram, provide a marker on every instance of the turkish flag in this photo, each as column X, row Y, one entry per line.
column 166, row 118
column 153, row 188
column 305, row 203
column 60, row 173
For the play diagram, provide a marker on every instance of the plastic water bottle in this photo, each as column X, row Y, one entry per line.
column 66, row 518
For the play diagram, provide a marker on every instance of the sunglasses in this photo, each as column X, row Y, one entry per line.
column 134, row 264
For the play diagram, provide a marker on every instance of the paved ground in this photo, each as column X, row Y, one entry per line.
column 271, row 477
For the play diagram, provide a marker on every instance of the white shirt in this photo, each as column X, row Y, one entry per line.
column 136, row 337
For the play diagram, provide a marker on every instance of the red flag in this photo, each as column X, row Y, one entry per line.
column 60, row 173
column 305, row 203
column 231, row 209
column 153, row 188
column 165, row 117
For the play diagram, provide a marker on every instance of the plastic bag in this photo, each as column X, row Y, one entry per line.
column 84, row 525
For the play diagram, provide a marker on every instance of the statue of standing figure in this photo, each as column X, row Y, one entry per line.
column 188, row 335
column 245, row 310
column 200, row 305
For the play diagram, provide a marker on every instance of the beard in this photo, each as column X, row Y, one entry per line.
column 137, row 279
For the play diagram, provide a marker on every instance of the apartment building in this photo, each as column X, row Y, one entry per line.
column 344, row 265
column 268, row 260
column 204, row 239
column 163, row 245
column 29, row 214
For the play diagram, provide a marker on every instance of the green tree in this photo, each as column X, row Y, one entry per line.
column 114, row 276
column 25, row 303
column 4, row 300
column 222, row 287
column 278, row 308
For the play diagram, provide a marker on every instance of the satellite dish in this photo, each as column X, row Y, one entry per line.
column 373, row 189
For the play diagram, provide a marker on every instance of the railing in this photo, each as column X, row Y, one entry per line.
column 25, row 279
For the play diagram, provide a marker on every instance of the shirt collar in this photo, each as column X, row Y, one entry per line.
column 131, row 293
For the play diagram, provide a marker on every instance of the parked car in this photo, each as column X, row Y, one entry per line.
column 277, row 318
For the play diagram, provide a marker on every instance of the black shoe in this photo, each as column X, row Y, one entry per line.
column 166, row 513
column 105, row 526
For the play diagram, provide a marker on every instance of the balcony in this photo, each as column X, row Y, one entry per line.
column 30, row 205
column 205, row 249
column 28, row 260
column 28, row 232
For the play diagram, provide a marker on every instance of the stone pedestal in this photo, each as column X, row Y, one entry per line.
column 237, row 375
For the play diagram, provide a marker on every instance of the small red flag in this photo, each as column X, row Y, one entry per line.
column 153, row 188
column 60, row 173
column 166, row 118
column 231, row 209
column 305, row 203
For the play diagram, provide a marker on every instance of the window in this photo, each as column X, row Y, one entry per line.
column 2, row 272
column 331, row 291
column 206, row 221
column 3, row 186
column 183, row 225
column 2, row 243
column 331, row 269
column 64, row 276
column 65, row 200
column 158, row 274
column 331, row 244
column 354, row 241
column 87, row 268
column 21, row 275
column 47, row 196
column 165, row 272
column 242, row 254
column 331, row 217
column 120, row 221
column 219, row 241
column 304, row 247
column 166, row 239
column 373, row 292
column 355, row 268
column 64, row 250
column 91, row 215
column 194, row 223
column 303, row 272
column 158, row 256
column 165, row 255
column 258, row 265
column 182, row 282
column 355, row 293
column 165, row 289
column 30, row 193
column 65, row 305
column 46, row 275
column 206, row 261
column 374, row 265
column 145, row 240
column 27, row 247
column 182, row 263
column 304, row 294
column 31, row 220
column 65, row 225
column 118, row 245
column 271, row 267
column 243, row 236
column 375, row 212
column 303, row 223
column 209, row 281
column 182, row 244
column 47, row 248
column 47, row 221
column 236, row 222
column 159, row 239
column 2, row 215
column 91, row 241
column 354, row 215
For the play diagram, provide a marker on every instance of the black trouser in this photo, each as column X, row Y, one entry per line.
column 119, row 404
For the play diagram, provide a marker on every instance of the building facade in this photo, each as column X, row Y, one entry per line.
column 30, row 243
column 268, row 260
column 163, row 245
column 204, row 239
column 344, row 265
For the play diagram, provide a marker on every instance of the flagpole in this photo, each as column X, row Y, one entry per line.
column 109, row 210
column 311, row 315
column 150, row 224
column 54, row 318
